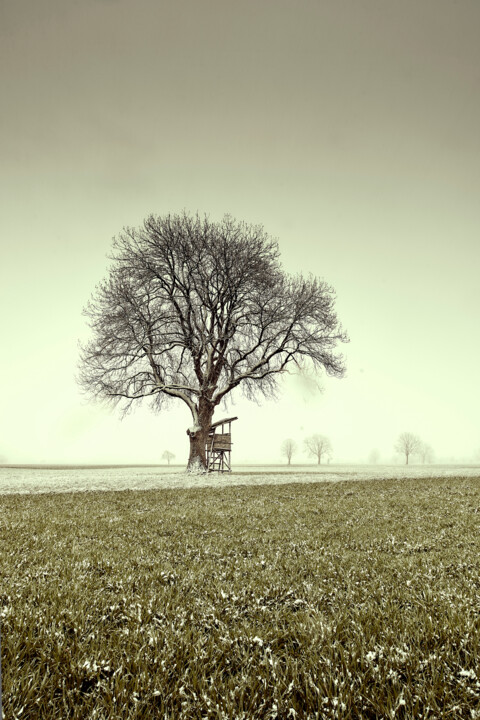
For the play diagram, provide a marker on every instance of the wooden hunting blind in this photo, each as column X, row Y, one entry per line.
column 218, row 449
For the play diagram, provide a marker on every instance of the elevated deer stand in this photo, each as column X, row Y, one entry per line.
column 218, row 449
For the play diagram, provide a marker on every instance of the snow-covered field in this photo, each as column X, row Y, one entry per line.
column 81, row 479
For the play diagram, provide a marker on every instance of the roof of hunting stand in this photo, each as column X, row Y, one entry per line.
column 221, row 422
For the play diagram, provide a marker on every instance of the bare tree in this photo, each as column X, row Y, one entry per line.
column 407, row 444
column 289, row 447
column 168, row 456
column 425, row 452
column 374, row 456
column 193, row 309
column 318, row 446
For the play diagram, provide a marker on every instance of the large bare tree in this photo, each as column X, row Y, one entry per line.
column 192, row 309
column 318, row 446
column 408, row 444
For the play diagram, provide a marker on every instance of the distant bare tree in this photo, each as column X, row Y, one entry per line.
column 168, row 456
column 193, row 309
column 374, row 456
column 407, row 444
column 318, row 446
column 289, row 447
column 425, row 452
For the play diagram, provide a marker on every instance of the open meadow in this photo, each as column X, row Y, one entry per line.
column 283, row 601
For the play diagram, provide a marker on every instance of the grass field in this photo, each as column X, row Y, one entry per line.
column 345, row 600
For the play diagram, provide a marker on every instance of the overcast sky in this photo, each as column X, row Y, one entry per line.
column 349, row 128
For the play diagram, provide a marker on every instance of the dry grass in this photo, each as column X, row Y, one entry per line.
column 352, row 600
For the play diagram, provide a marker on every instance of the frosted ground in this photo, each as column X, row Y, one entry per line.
column 37, row 479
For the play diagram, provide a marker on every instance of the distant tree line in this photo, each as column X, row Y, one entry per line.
column 318, row 446
column 409, row 444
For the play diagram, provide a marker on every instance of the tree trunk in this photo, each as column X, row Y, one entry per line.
column 198, row 434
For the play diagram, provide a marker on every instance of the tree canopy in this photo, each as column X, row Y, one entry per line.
column 192, row 309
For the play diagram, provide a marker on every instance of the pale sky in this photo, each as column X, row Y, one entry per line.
column 349, row 128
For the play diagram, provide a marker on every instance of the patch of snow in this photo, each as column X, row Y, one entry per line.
column 75, row 479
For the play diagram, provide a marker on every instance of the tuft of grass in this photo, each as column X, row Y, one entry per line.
column 348, row 600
